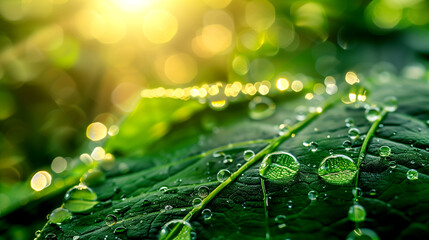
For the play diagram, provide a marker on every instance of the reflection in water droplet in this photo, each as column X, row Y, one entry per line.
column 372, row 114
column 59, row 215
column 163, row 189
column 313, row 146
column 248, row 154
column 384, row 151
column 350, row 122
column 312, row 195
column 196, row 202
column 207, row 214
column 390, row 104
column 261, row 107
column 168, row 207
column 373, row 192
column 362, row 234
column 412, row 174
column 176, row 229
column 392, row 164
column 218, row 105
column 353, row 133
column 80, row 198
column 110, row 220
column 223, row 175
column 357, row 192
column 203, row 191
column 357, row 213
column 337, row 169
column 279, row 166
column 119, row 230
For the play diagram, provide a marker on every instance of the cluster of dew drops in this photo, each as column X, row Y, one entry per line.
column 82, row 198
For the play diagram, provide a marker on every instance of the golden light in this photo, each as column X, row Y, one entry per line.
column 133, row 5
column 216, row 38
column 40, row 180
column 263, row 89
column 297, row 86
column 352, row 78
column 96, row 131
column 218, row 104
column 180, row 68
column 159, row 26
column 260, row 14
column 59, row 164
column 113, row 130
column 126, row 95
column 108, row 28
column 319, row 88
column 329, row 80
column 282, row 84
column 217, row 3
column 86, row 159
column 98, row 153
column 309, row 96
column 240, row 65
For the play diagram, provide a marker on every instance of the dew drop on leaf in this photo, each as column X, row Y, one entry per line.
column 261, row 108
column 313, row 146
column 412, row 174
column 168, row 207
column 337, row 169
column 51, row 236
column 347, row 144
column 163, row 189
column 350, row 122
column 119, row 230
column 362, row 234
column 301, row 113
column 357, row 213
column 207, row 214
column 93, row 177
column 373, row 192
column 372, row 114
column 203, row 191
column 80, row 198
column 59, row 215
column 384, row 151
column 312, row 195
column 392, row 164
column 357, row 192
column 223, row 175
column 391, row 104
column 353, row 133
column 281, row 221
column 279, row 166
column 196, row 202
column 248, row 155
column 177, row 229
column 110, row 220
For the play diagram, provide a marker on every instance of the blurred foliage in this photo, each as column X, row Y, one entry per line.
column 65, row 64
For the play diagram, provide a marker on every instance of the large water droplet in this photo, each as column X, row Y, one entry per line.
column 59, row 215
column 312, row 195
column 384, row 151
column 357, row 213
column 390, row 104
column 337, row 169
column 223, row 175
column 203, row 191
column 177, row 229
column 412, row 174
column 248, row 154
column 119, row 230
column 261, row 107
column 110, row 220
column 80, row 198
column 93, row 177
column 372, row 114
column 353, row 133
column 350, row 122
column 279, row 166
column 207, row 214
column 196, row 202
column 362, row 234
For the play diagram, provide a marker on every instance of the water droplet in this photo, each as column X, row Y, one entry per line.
column 279, row 165
column 372, row 114
column 203, row 191
column 337, row 169
column 207, row 214
column 362, row 234
column 390, row 104
column 119, row 230
column 223, row 175
column 176, row 229
column 110, row 220
column 37, row 233
column 301, row 113
column 412, row 174
column 261, row 107
column 248, row 154
column 228, row 159
column 384, row 151
column 305, row 143
column 289, row 204
column 331, row 151
column 312, row 195
column 313, row 146
column 353, row 133
column 163, row 189
column 373, row 192
column 59, row 215
column 76, row 237
column 281, row 221
column 196, row 202
column 168, row 207
column 357, row 213
column 357, row 192
column 93, row 177
column 51, row 236
column 347, row 144
column 80, row 198
column 218, row 154
column 350, row 122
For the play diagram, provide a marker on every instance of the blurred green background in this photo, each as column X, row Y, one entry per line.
column 65, row 64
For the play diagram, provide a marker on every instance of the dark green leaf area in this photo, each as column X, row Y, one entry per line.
column 161, row 185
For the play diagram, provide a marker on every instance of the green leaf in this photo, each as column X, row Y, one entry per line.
column 160, row 186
